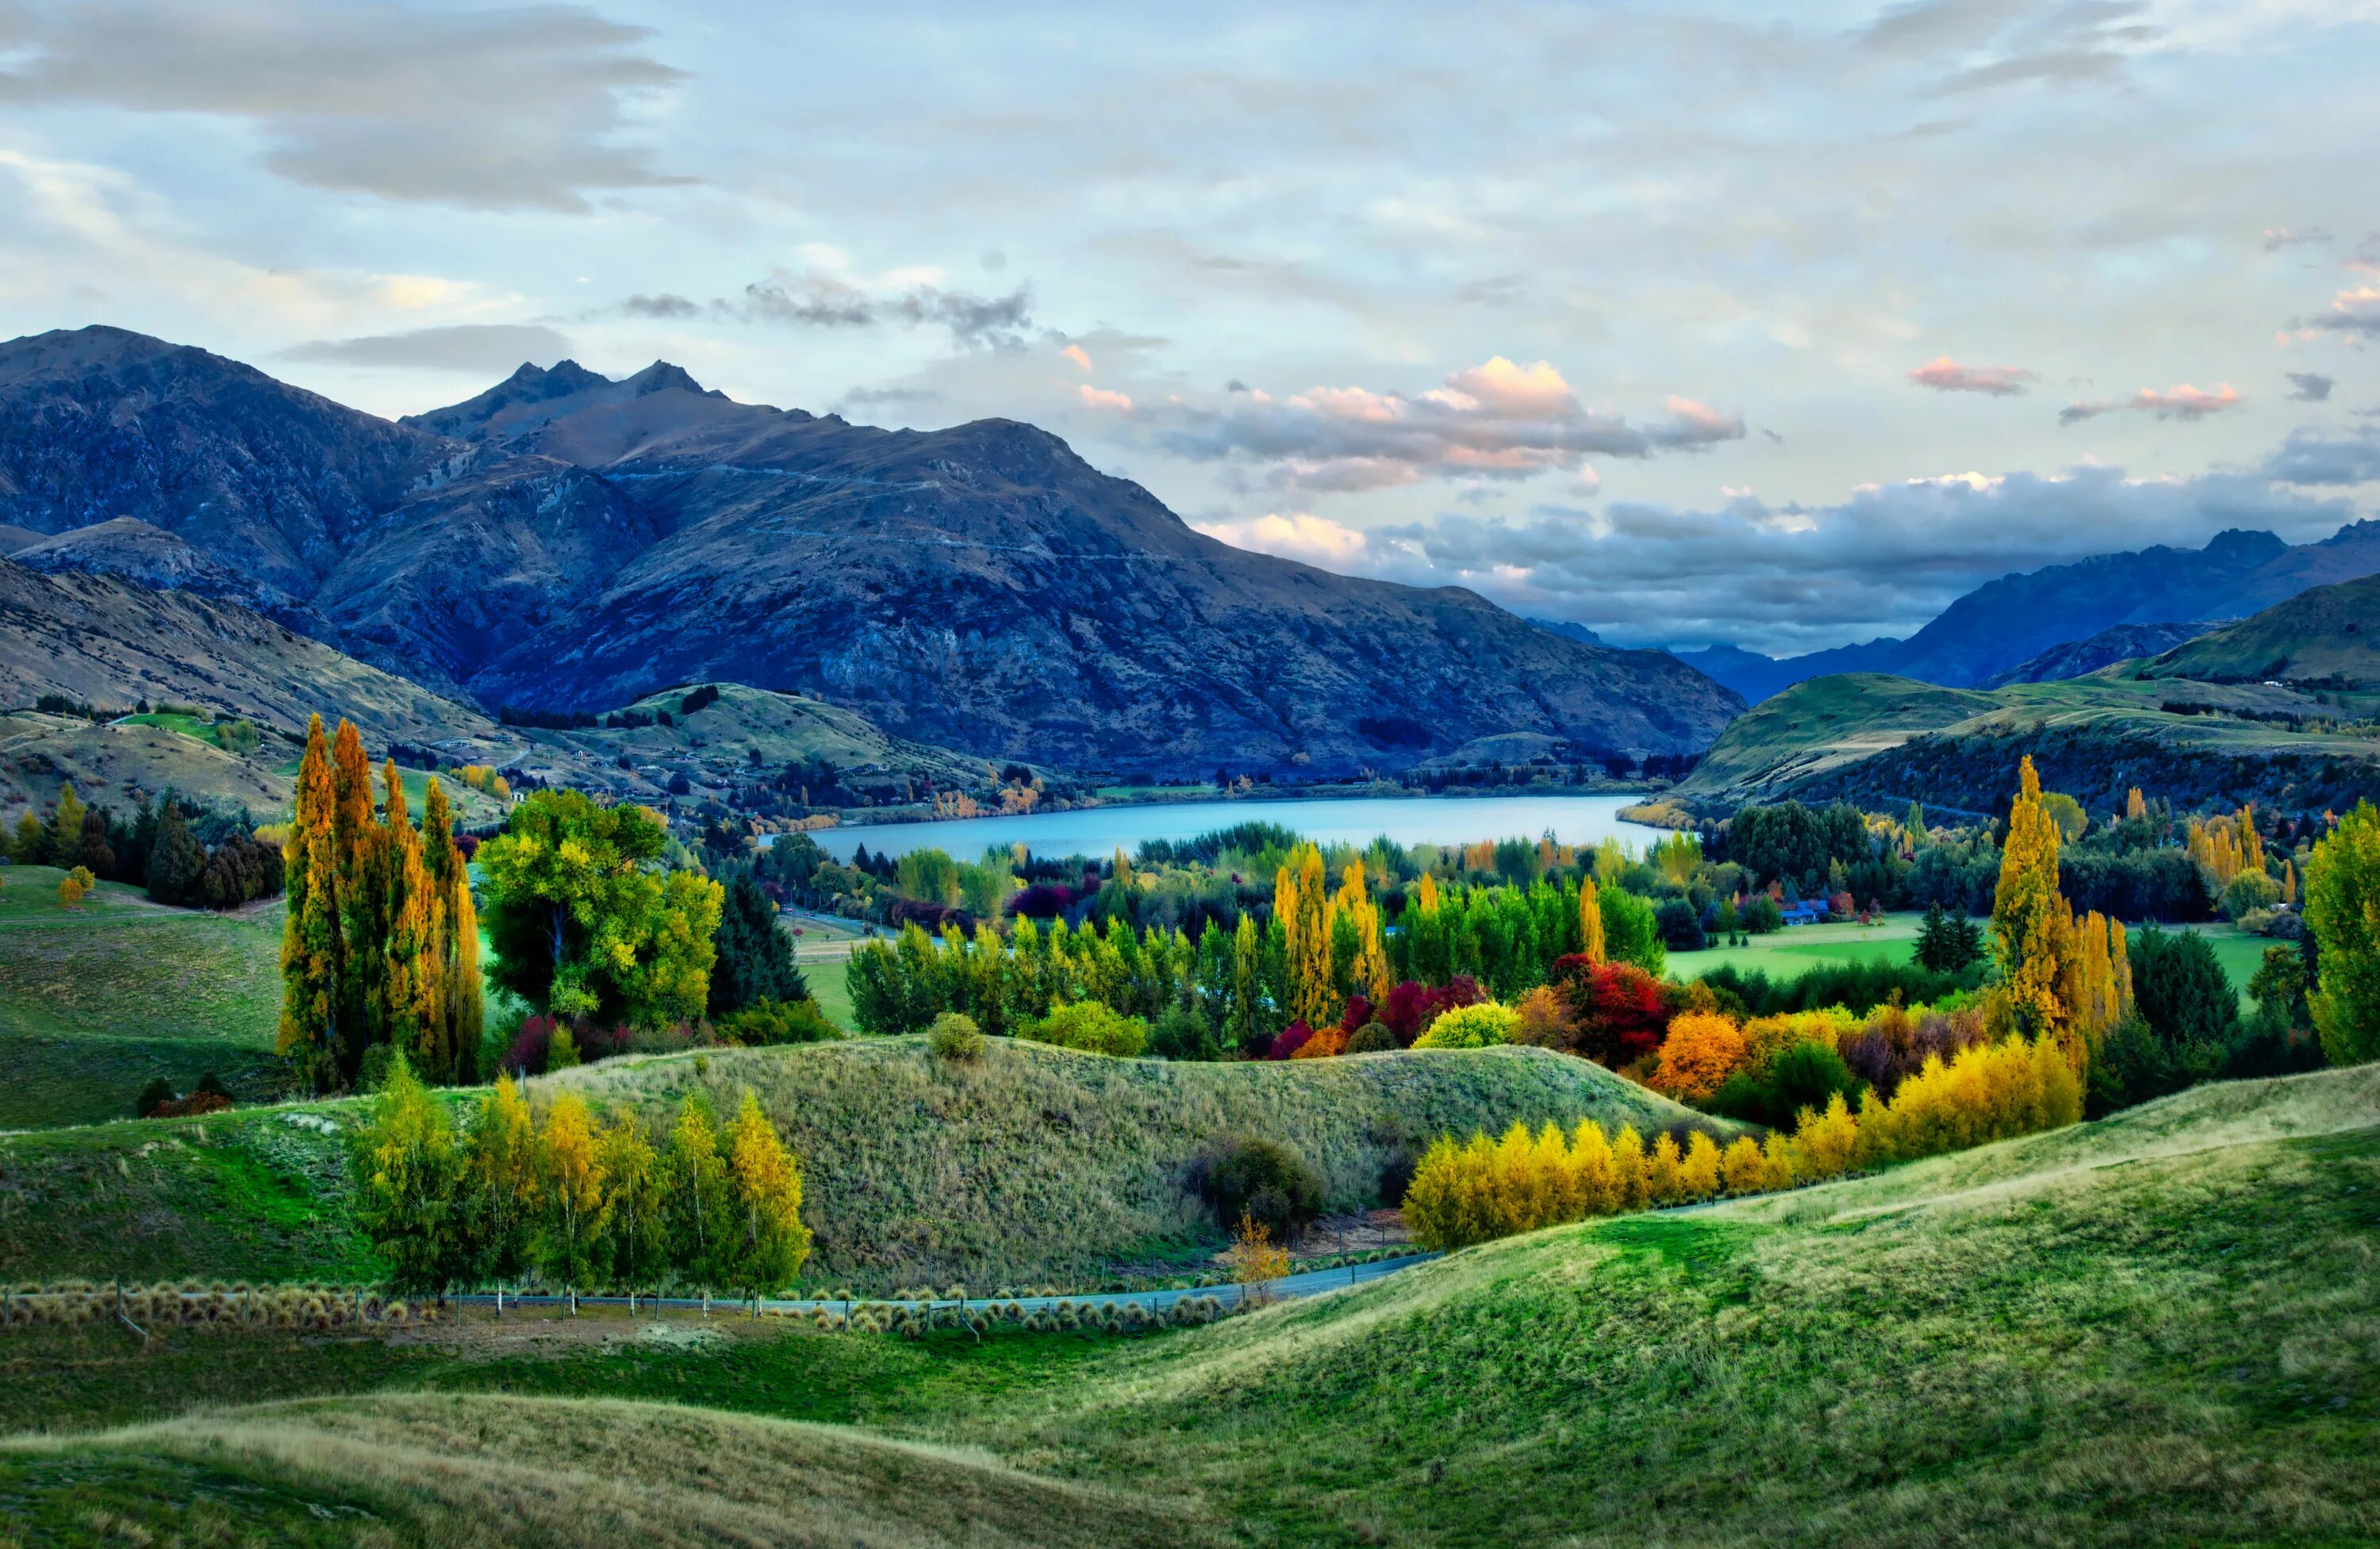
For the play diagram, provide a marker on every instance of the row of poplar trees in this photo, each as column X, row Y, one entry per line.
column 382, row 942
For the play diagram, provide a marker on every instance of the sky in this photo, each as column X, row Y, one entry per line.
column 1775, row 326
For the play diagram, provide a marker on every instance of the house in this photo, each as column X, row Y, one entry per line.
column 1809, row 911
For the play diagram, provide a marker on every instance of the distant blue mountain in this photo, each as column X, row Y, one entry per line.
column 1570, row 631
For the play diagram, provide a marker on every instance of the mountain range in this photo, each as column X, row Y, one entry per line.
column 1994, row 634
column 566, row 542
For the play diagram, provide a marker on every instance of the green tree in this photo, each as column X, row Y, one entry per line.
column 501, row 1185
column 583, row 923
column 1946, row 943
column 65, row 838
column 570, row 1232
column 636, row 1245
column 765, row 1184
column 2342, row 909
column 176, row 859
column 753, row 956
column 1630, row 932
column 407, row 1171
column 32, row 846
column 699, row 1208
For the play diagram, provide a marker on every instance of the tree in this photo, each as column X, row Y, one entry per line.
column 765, row 1183
column 362, row 898
column 1254, row 1260
column 32, row 846
column 1590, row 922
column 2187, row 1003
column 310, row 946
column 753, row 959
column 1630, row 933
column 637, row 1228
column 501, row 1183
column 457, row 946
column 65, row 838
column 2342, row 911
column 75, row 885
column 698, row 1207
column 407, row 1171
column 582, row 924
column 414, row 980
column 570, row 1227
column 1485, row 1025
column 2032, row 927
column 1946, row 943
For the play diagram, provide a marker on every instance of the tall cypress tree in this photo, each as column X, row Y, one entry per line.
column 310, row 954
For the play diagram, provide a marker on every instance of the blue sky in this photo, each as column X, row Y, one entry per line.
column 1774, row 325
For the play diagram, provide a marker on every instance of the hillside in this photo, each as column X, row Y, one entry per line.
column 2074, row 658
column 2005, row 623
column 566, row 542
column 2148, row 1330
column 1037, row 1165
column 1885, row 742
column 2328, row 637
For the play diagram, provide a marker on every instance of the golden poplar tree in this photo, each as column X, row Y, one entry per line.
column 2136, row 805
column 362, row 901
column 765, row 1181
column 1590, row 922
column 1302, row 903
column 2033, row 925
column 310, row 1000
column 459, row 934
column 415, row 985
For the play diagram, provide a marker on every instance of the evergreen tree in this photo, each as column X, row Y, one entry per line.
column 310, row 942
column 753, row 957
column 176, row 859
column 32, row 846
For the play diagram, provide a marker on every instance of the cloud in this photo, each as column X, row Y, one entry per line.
column 2176, row 403
column 1078, row 354
column 479, row 347
column 891, row 395
column 2354, row 310
column 2311, row 457
column 1788, row 578
column 822, row 300
column 504, row 109
column 1313, row 540
column 2312, row 387
column 1946, row 375
column 662, row 306
column 1501, row 419
column 2279, row 237
column 1100, row 398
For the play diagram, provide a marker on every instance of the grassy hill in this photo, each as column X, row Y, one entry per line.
column 97, row 1001
column 2154, row 1329
column 1036, row 1165
column 1883, row 741
column 2329, row 636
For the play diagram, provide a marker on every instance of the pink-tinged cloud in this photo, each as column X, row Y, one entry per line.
column 1100, row 398
column 1946, row 375
column 1299, row 536
column 1078, row 354
column 2354, row 310
column 1501, row 419
column 2175, row 403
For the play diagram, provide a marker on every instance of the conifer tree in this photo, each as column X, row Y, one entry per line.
column 65, row 840
column 176, row 859
column 312, row 1001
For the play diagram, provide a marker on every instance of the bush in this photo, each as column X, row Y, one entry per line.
column 955, row 1038
column 1373, row 1038
column 1182, row 1033
column 765, row 1022
column 156, row 1094
column 1265, row 1180
column 1091, row 1027
column 1681, row 924
column 1481, row 1026
column 1762, row 915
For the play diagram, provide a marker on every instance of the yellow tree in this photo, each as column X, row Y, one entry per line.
column 311, row 1003
column 2135, row 804
column 570, row 1174
column 414, row 990
column 1300, row 903
column 1590, row 922
column 499, row 1179
column 362, row 901
column 457, row 924
column 765, row 1181
column 2033, row 926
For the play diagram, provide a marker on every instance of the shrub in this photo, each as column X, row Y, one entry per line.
column 158, row 1093
column 1481, row 1026
column 1373, row 1038
column 1265, row 1180
column 1681, row 924
column 1289, row 1040
column 1617, row 1011
column 953, row 1036
column 767, row 1022
column 1703, row 1049
column 1091, row 1027
column 1762, row 915
column 1184, row 1032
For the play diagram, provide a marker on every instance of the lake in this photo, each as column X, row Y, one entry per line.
column 1407, row 819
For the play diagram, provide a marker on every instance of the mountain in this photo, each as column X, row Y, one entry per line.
column 2002, row 625
column 1570, row 631
column 135, row 549
column 2126, row 642
column 2326, row 638
column 566, row 542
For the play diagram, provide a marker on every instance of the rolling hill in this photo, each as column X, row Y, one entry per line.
column 1882, row 742
column 2149, row 1330
column 2326, row 638
column 567, row 542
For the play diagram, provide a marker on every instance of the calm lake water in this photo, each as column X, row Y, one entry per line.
column 1406, row 820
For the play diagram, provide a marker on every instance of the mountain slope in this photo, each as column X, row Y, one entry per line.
column 2126, row 642
column 2330, row 635
column 564, row 541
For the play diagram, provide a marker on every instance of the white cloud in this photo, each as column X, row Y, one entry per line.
column 1303, row 536
column 1946, row 375
column 2175, row 403
column 1100, row 398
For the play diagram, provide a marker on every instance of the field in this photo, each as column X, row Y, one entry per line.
column 96, row 1001
column 2154, row 1329
column 1036, row 1165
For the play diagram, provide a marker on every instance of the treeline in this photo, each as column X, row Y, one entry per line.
column 181, row 854
column 380, row 950
column 582, row 1205
column 1472, row 1192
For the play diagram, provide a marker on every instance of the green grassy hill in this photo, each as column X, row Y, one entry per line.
column 1036, row 1165
column 2155, row 1330
column 2328, row 636
column 97, row 1001
column 1882, row 742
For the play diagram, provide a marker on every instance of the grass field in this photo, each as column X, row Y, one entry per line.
column 1034, row 1165
column 95, row 1001
column 2155, row 1330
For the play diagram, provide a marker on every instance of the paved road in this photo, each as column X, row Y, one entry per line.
column 1310, row 1282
